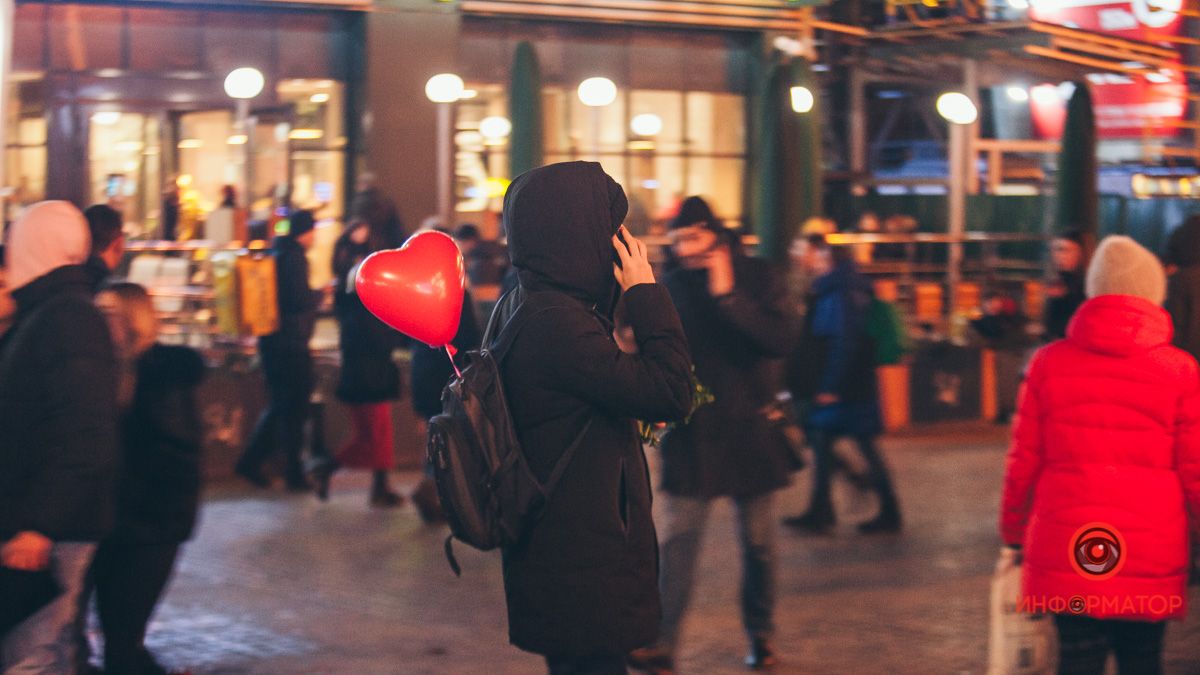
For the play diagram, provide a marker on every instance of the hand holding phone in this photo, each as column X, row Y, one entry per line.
column 632, row 264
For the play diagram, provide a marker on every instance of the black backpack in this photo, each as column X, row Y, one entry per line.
column 488, row 492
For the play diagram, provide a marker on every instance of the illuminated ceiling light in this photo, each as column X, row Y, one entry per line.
column 190, row 144
column 495, row 128
column 244, row 83
column 106, row 117
column 319, row 97
column 1044, row 94
column 957, row 107
column 646, row 124
column 1159, row 77
column 597, row 92
column 306, row 134
column 469, row 93
column 802, row 99
column 1017, row 94
column 128, row 146
column 237, row 139
column 444, row 88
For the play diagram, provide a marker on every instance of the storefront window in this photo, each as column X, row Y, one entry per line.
column 661, row 145
column 25, row 154
column 318, row 144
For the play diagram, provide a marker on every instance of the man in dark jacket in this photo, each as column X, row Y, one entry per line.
column 287, row 362
column 1183, row 286
column 734, row 314
column 837, row 383
column 581, row 585
column 58, row 427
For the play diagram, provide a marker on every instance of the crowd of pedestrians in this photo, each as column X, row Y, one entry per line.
column 101, row 441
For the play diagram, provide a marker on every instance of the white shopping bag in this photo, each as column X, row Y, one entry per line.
column 1019, row 643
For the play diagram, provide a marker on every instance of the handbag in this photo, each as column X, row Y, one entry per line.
column 1019, row 643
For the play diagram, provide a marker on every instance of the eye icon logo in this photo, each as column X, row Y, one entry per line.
column 1097, row 551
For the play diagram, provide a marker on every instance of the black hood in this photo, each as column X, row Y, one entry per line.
column 560, row 220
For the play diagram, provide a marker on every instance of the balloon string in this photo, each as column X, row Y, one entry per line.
column 450, row 352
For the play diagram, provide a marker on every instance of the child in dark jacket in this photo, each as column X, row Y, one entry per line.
column 159, row 485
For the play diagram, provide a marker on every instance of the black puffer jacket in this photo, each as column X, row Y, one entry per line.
column 58, row 412
column 159, row 490
column 297, row 301
column 368, row 374
column 584, row 581
column 738, row 342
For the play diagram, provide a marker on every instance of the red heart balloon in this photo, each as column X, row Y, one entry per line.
column 416, row 289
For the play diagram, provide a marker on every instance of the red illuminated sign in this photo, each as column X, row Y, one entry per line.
column 1126, row 105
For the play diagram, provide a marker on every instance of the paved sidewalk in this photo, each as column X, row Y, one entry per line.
column 283, row 584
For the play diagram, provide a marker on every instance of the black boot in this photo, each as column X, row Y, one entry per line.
column 761, row 656
column 319, row 474
column 381, row 494
column 812, row 522
column 653, row 660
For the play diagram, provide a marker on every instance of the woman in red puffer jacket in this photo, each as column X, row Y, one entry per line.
column 1105, row 462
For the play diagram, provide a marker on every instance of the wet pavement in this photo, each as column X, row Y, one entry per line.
column 275, row 583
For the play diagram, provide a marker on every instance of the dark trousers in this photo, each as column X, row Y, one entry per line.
column 604, row 664
column 825, row 463
column 1084, row 645
column 289, row 375
column 129, row 577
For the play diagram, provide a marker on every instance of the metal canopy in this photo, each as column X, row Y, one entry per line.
column 935, row 53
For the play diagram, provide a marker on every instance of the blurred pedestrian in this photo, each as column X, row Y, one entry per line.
column 369, row 381
column 158, row 492
column 58, row 439
column 287, row 362
column 1183, row 286
column 1001, row 328
column 834, row 376
column 581, row 584
column 108, row 241
column 1104, row 464
column 734, row 313
column 227, row 222
column 431, row 371
column 1065, row 294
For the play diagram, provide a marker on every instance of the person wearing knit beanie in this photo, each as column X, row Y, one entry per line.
column 47, row 236
column 1121, row 266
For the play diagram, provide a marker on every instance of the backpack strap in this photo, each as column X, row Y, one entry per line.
column 560, row 466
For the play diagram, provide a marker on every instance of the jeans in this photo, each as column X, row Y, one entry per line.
column 1084, row 644
column 46, row 642
column 129, row 578
column 824, row 461
column 289, row 376
column 682, row 531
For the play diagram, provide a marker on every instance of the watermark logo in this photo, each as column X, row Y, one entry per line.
column 1097, row 551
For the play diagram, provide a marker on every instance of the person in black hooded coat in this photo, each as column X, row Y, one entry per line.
column 581, row 585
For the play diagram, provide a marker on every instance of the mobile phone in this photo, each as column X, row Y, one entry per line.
column 621, row 237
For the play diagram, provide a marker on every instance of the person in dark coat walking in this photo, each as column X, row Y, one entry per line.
column 735, row 316
column 369, row 380
column 1183, row 286
column 1065, row 295
column 159, row 486
column 287, row 362
column 58, row 428
column 835, row 378
column 581, row 585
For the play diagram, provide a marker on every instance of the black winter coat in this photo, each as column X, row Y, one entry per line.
column 368, row 373
column 738, row 341
column 297, row 301
column 162, row 435
column 58, row 412
column 1058, row 311
column 584, row 581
